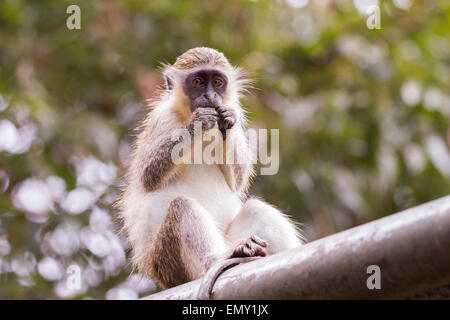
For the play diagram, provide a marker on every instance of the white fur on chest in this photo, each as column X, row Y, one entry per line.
column 203, row 183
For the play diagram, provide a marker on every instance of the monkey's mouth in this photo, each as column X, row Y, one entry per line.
column 195, row 106
column 206, row 104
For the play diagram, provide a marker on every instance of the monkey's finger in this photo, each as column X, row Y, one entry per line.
column 222, row 125
column 208, row 125
column 207, row 117
column 241, row 251
column 221, row 108
column 203, row 116
column 226, row 114
column 258, row 240
column 228, row 122
column 210, row 117
column 259, row 251
column 249, row 252
column 213, row 119
column 206, row 111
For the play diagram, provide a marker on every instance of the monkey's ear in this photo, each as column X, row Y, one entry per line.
column 168, row 76
column 172, row 76
column 169, row 82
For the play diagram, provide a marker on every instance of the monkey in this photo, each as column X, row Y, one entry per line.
column 183, row 219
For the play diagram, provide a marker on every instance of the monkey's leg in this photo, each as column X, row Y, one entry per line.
column 187, row 243
column 257, row 218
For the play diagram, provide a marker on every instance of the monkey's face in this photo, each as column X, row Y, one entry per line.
column 205, row 88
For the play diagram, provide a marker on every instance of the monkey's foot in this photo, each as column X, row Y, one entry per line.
column 252, row 247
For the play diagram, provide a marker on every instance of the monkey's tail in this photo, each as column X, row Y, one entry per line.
column 209, row 279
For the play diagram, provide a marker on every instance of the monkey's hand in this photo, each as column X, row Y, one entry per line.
column 252, row 247
column 207, row 116
column 227, row 119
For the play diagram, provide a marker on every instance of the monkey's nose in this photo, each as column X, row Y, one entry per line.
column 209, row 96
column 209, row 100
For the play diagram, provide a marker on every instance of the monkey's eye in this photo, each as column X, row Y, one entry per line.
column 197, row 82
column 217, row 83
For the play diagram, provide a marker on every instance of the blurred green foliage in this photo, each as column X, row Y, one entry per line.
column 363, row 114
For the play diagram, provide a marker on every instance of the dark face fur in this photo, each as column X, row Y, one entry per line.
column 205, row 88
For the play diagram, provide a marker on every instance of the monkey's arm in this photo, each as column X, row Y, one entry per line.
column 238, row 164
column 238, row 172
column 237, row 176
column 161, row 167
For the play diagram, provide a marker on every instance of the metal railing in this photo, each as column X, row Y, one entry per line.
column 411, row 249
